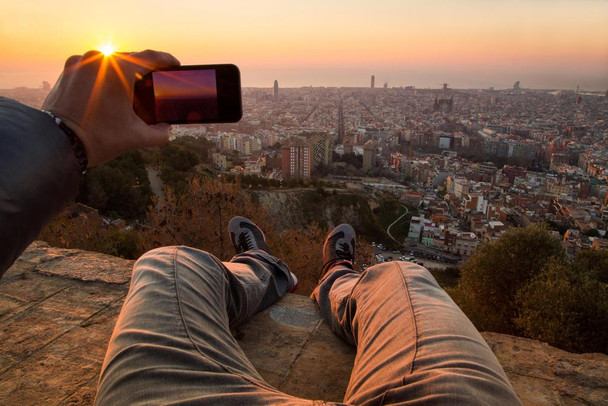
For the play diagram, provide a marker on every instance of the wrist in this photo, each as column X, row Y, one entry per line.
column 76, row 144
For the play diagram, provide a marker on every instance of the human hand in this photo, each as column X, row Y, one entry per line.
column 94, row 97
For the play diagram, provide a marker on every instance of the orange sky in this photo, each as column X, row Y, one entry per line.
column 467, row 43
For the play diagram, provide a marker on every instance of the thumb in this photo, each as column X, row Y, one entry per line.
column 153, row 135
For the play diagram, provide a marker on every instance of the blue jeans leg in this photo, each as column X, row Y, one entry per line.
column 414, row 345
column 172, row 342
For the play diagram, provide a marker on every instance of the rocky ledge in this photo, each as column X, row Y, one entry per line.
column 58, row 308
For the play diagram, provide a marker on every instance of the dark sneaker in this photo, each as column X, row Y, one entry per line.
column 339, row 246
column 246, row 236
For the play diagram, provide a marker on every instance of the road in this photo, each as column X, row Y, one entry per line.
column 428, row 263
column 156, row 184
column 388, row 229
column 422, row 253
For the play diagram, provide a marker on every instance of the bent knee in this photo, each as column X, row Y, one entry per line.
column 166, row 259
column 404, row 268
column 155, row 255
column 412, row 268
column 161, row 260
column 167, row 270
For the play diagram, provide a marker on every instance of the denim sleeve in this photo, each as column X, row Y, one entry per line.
column 38, row 176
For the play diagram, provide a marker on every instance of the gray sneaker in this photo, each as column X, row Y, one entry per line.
column 339, row 246
column 246, row 236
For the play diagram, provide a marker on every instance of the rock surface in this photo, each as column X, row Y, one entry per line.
column 58, row 308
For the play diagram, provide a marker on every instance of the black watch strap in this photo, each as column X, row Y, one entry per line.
column 79, row 152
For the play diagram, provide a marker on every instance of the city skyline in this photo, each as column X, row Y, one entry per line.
column 466, row 43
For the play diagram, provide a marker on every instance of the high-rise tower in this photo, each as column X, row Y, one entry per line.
column 373, row 81
column 301, row 155
column 340, row 121
column 369, row 155
column 276, row 90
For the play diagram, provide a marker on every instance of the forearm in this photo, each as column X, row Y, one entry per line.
column 39, row 176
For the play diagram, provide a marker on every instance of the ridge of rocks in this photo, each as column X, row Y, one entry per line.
column 58, row 308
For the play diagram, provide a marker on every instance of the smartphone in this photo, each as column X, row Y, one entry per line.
column 190, row 94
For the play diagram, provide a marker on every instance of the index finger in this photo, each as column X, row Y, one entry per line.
column 156, row 59
column 145, row 61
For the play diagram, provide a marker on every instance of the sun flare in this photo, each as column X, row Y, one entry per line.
column 107, row 49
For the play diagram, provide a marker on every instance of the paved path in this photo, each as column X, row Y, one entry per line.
column 156, row 184
column 388, row 229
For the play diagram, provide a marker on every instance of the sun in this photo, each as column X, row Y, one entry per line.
column 107, row 49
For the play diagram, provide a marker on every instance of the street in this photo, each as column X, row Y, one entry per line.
column 420, row 253
column 388, row 229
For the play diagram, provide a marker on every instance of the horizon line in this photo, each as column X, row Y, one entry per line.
column 408, row 87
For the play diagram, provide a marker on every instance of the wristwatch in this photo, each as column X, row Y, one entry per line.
column 79, row 152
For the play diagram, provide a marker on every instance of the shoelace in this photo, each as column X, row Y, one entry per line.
column 245, row 241
column 344, row 251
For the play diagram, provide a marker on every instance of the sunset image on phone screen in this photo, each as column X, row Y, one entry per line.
column 186, row 96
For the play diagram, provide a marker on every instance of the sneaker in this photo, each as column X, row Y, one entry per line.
column 246, row 236
column 339, row 246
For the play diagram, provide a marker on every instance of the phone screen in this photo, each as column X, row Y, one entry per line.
column 185, row 96
column 189, row 95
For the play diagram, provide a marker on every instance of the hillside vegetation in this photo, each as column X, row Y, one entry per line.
column 199, row 218
column 301, row 207
column 522, row 284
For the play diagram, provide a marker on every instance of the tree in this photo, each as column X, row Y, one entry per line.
column 199, row 218
column 119, row 188
column 178, row 164
column 66, row 231
column 200, row 146
column 178, row 157
column 352, row 159
column 566, row 308
column 498, row 270
column 592, row 263
column 592, row 232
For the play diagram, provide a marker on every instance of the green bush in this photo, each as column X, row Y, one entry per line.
column 593, row 264
column 91, row 234
column 565, row 308
column 178, row 157
column 523, row 284
column 497, row 271
column 119, row 188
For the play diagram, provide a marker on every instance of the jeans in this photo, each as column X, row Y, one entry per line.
column 172, row 342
